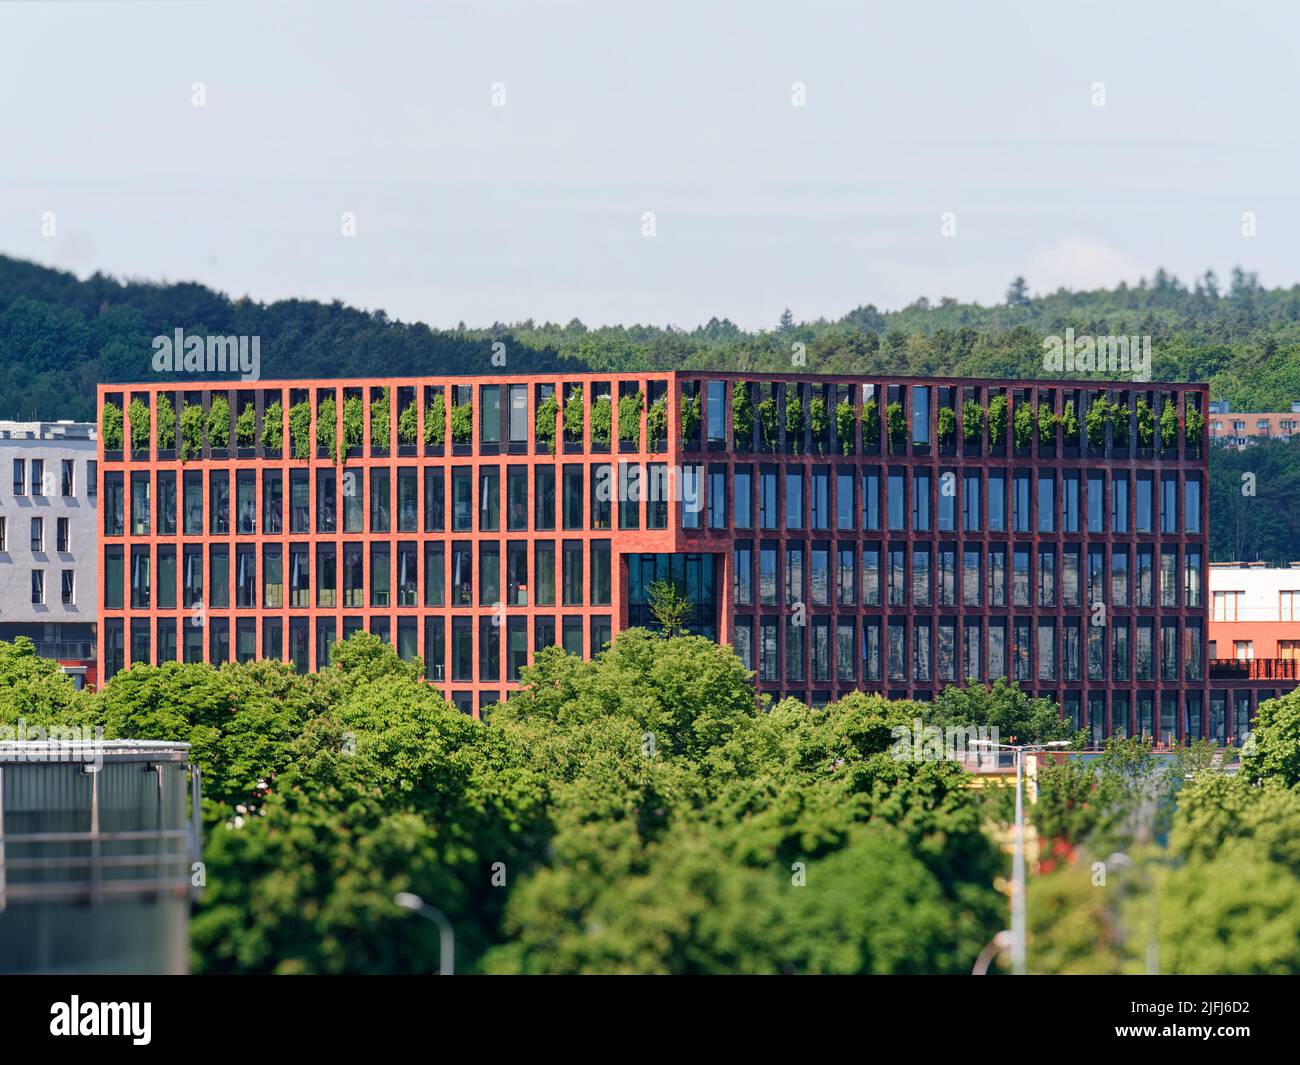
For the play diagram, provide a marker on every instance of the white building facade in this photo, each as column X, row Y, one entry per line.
column 49, row 536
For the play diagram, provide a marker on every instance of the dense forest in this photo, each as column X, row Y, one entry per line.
column 59, row 336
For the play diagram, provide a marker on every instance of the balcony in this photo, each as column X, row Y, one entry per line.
column 1254, row 669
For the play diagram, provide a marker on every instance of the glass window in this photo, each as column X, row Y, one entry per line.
column 490, row 421
column 572, row 572
column 717, row 497
column 870, row 575
column 870, row 650
column 489, row 574
column 140, row 520
column 743, row 487
column 1192, row 577
column 1169, row 576
column 819, row 501
column 1144, row 517
column 518, row 414
column 461, row 575
column 462, row 502
column 1119, row 576
column 435, row 499
column 629, row 495
column 1145, row 576
column 997, row 569
column 744, row 566
column 272, row 575
column 434, row 575
column 1070, row 501
column 767, row 501
column 1046, row 576
column 193, row 502
column 947, row 501
column 1046, row 503
column 921, row 501
column 407, row 499
column 600, row 573
column 921, row 576
column 299, row 502
column 1070, row 575
column 1119, row 503
column 845, row 574
column 167, row 578
column 846, row 667
column 166, row 503
column 219, row 568
column 1020, row 501
column 573, row 497
column 219, row 502
column 843, row 498
column 896, row 501
column 353, row 585
column 572, row 636
column 970, row 514
column 767, row 580
column 544, row 498
column 970, row 577
column 794, row 498
column 821, row 575
column 717, row 411
column 517, row 498
column 871, row 501
column 1192, row 505
column 794, row 574
column 692, row 496
column 354, row 500
column 656, row 510
column 246, row 576
column 380, row 575
column 897, row 577
column 1169, row 504
column 544, row 565
column 920, row 414
column 380, row 500
column 997, row 501
column 1020, row 576
column 489, row 499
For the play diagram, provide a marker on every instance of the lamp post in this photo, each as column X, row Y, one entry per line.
column 415, row 904
column 1018, row 854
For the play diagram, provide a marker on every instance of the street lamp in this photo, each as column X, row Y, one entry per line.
column 415, row 904
column 1018, row 859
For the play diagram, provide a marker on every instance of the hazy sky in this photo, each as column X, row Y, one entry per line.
column 469, row 211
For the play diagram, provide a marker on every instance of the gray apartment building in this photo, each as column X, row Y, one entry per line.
column 48, row 540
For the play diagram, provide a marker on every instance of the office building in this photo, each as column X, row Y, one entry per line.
column 841, row 532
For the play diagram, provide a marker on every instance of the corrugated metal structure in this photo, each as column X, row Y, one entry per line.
column 98, row 842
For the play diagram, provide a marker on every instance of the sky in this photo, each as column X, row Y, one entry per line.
column 659, row 163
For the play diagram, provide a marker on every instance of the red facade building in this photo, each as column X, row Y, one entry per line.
column 842, row 533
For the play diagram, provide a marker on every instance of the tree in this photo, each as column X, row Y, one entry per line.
column 669, row 607
column 787, row 321
column 1274, row 753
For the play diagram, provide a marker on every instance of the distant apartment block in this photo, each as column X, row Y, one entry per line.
column 1237, row 429
column 1254, row 637
column 49, row 539
column 841, row 533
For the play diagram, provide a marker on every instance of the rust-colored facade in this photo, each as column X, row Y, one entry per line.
column 842, row 532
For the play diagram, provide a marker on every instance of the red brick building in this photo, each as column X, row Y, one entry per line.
column 842, row 533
